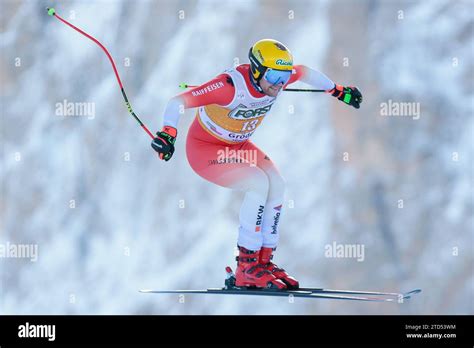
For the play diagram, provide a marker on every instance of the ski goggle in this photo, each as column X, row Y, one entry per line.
column 276, row 77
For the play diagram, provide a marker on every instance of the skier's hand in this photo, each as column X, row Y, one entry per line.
column 349, row 95
column 164, row 142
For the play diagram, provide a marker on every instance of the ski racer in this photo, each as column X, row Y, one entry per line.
column 230, row 108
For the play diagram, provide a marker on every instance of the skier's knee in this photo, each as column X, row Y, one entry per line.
column 278, row 181
column 277, row 186
column 259, row 183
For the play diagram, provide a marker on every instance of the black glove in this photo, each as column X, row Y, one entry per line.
column 164, row 142
column 349, row 95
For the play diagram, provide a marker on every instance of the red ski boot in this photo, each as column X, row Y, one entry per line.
column 252, row 274
column 279, row 273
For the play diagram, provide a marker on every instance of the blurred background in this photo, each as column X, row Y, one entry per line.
column 108, row 218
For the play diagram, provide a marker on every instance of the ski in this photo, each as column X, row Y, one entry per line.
column 351, row 295
column 407, row 294
column 265, row 292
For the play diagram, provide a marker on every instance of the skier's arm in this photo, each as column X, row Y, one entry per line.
column 219, row 90
column 314, row 78
column 349, row 95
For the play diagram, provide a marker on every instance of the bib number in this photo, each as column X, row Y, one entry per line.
column 249, row 125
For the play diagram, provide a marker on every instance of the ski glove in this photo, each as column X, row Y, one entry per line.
column 164, row 142
column 349, row 95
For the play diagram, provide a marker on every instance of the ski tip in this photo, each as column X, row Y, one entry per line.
column 51, row 11
column 408, row 295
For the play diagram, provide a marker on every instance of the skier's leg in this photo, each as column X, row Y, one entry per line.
column 274, row 207
column 254, row 183
column 271, row 217
column 205, row 157
column 275, row 197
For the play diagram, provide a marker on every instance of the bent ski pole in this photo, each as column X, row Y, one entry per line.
column 52, row 12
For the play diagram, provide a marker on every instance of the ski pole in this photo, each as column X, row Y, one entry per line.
column 52, row 12
column 184, row 86
column 303, row 90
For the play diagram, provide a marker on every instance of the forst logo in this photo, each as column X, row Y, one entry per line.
column 246, row 113
column 283, row 62
column 259, row 218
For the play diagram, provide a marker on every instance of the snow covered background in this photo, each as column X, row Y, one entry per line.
column 109, row 218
